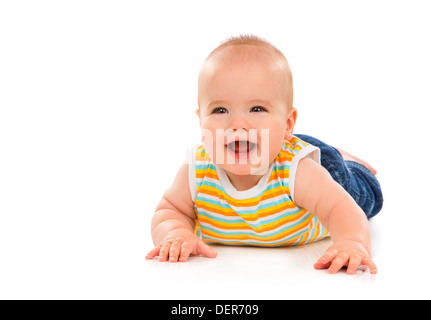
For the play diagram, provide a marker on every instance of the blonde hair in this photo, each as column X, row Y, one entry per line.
column 256, row 41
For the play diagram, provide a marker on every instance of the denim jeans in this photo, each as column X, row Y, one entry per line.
column 355, row 178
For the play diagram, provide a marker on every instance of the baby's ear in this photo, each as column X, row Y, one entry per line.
column 288, row 136
column 290, row 124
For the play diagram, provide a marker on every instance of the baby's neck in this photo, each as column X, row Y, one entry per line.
column 243, row 182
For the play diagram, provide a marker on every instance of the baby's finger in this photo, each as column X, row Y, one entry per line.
column 326, row 259
column 206, row 250
column 339, row 261
column 153, row 253
column 174, row 251
column 164, row 252
column 319, row 265
column 370, row 263
column 354, row 263
column 186, row 250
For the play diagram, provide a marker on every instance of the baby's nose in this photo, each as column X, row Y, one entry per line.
column 239, row 123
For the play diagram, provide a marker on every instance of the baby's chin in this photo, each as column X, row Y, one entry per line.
column 237, row 169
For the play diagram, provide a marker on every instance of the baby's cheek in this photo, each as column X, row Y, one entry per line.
column 270, row 145
column 209, row 150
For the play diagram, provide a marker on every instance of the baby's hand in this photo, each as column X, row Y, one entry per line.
column 178, row 245
column 345, row 253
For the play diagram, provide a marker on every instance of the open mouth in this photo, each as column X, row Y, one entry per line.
column 241, row 149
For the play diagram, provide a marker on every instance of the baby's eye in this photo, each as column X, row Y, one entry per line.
column 258, row 109
column 219, row 110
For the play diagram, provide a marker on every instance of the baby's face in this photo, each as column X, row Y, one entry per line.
column 243, row 110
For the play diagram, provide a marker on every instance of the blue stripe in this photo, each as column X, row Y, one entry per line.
column 283, row 167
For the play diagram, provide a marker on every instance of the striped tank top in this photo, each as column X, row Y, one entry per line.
column 264, row 215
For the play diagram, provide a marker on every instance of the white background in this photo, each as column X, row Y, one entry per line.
column 97, row 103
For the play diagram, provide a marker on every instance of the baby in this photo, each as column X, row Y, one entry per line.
column 252, row 181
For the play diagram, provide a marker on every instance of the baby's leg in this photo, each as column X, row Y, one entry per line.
column 355, row 175
column 349, row 157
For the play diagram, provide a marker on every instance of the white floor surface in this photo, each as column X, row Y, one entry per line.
column 95, row 257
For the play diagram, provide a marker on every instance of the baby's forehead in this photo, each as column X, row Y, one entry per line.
column 245, row 53
column 249, row 57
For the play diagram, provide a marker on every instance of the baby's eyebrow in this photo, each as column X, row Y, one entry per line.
column 218, row 103
column 258, row 102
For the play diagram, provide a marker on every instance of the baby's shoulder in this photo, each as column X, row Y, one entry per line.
column 294, row 150
column 197, row 155
column 294, row 145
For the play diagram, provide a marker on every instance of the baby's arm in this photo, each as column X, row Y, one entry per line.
column 172, row 226
column 316, row 191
